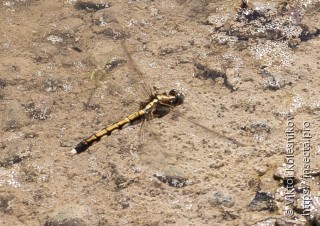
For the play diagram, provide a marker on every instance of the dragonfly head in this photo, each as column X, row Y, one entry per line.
column 179, row 97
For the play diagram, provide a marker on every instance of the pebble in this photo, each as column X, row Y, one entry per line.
column 174, row 177
column 261, row 169
column 282, row 173
column 273, row 82
column 218, row 163
column 233, row 78
column 218, row 198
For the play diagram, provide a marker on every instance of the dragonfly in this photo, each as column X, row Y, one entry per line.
column 157, row 106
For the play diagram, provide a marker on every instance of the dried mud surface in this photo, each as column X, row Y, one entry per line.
column 248, row 72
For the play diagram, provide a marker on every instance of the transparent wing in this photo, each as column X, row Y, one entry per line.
column 144, row 84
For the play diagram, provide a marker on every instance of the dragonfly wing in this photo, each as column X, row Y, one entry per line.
column 155, row 148
column 140, row 79
column 212, row 132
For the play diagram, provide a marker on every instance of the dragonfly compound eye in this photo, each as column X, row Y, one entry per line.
column 179, row 97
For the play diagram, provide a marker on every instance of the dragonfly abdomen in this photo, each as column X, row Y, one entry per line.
column 151, row 108
column 131, row 119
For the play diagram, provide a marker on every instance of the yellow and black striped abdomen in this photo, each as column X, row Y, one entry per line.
column 86, row 143
column 172, row 99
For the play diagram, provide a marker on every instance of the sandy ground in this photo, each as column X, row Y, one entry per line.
column 250, row 75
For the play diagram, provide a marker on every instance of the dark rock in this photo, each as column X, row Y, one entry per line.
column 91, row 7
column 263, row 201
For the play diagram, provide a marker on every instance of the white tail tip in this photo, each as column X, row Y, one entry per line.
column 73, row 151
